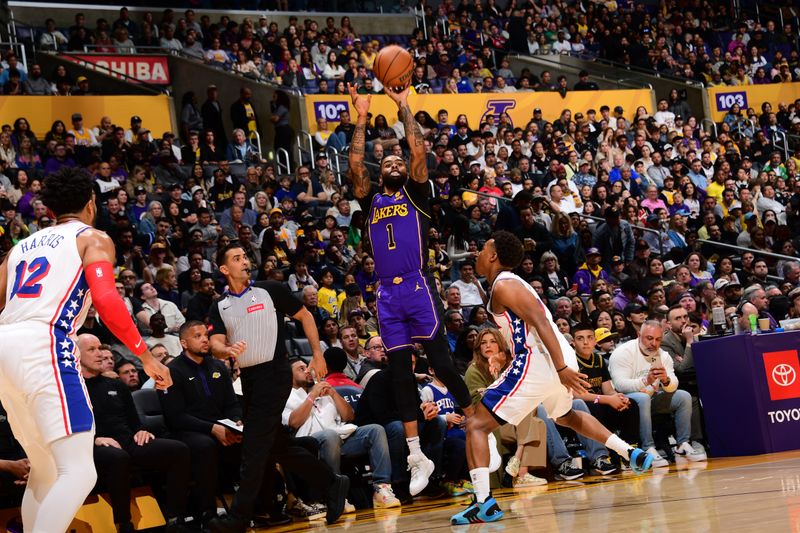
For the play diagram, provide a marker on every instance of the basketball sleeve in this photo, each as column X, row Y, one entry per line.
column 366, row 202
column 111, row 308
column 420, row 195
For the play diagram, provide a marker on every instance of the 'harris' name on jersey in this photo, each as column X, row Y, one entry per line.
column 52, row 240
column 388, row 211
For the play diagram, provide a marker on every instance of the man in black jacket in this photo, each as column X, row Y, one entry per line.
column 535, row 237
column 199, row 304
column 202, row 394
column 243, row 114
column 509, row 217
column 121, row 442
column 212, row 116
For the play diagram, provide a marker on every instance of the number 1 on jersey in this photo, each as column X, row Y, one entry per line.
column 390, row 232
column 30, row 287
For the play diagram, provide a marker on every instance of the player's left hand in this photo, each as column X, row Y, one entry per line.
column 574, row 380
column 157, row 371
column 143, row 437
column 318, row 365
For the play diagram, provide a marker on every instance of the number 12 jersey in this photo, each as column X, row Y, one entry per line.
column 46, row 283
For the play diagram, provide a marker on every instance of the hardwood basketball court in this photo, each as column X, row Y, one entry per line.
column 760, row 493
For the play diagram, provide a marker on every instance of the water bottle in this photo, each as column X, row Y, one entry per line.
column 753, row 324
column 735, row 320
column 578, row 462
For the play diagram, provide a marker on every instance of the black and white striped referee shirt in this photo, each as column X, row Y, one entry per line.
column 256, row 317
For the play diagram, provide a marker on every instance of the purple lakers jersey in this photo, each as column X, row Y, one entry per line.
column 398, row 230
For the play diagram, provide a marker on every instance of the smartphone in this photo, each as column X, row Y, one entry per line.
column 574, row 286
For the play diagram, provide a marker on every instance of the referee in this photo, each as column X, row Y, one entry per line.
column 246, row 322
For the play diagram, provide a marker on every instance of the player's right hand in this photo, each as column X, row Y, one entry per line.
column 360, row 101
column 574, row 380
column 157, row 371
column 399, row 97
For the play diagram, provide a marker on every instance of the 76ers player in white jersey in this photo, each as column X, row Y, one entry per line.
column 544, row 370
column 47, row 283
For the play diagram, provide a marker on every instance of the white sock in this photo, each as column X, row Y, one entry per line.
column 620, row 446
column 413, row 445
column 480, row 482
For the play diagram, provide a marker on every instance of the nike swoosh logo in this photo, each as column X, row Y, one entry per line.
column 226, row 308
column 190, row 379
column 138, row 343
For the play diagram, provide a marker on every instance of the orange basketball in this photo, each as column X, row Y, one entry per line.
column 393, row 67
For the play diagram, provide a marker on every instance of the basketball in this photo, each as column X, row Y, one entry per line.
column 393, row 67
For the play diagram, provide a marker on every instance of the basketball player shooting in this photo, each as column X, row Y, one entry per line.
column 408, row 309
column 47, row 283
column 543, row 370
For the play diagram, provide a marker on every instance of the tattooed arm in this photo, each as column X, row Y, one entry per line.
column 358, row 172
column 416, row 143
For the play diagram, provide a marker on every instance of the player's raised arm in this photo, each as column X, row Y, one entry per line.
column 358, row 172
column 416, row 143
column 510, row 295
column 98, row 255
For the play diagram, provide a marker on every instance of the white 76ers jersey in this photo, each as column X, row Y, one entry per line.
column 46, row 283
column 524, row 339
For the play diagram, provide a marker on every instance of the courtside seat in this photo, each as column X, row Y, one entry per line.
column 150, row 413
column 301, row 347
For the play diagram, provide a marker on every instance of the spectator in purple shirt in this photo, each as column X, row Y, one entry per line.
column 589, row 272
column 59, row 160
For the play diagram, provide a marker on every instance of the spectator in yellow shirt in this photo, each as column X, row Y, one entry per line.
column 716, row 187
column 327, row 297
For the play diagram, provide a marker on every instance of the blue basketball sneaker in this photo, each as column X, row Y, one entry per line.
column 478, row 513
column 641, row 461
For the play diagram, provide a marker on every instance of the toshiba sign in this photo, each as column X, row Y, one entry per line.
column 135, row 68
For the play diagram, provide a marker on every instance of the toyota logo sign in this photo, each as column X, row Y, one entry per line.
column 783, row 375
column 781, row 370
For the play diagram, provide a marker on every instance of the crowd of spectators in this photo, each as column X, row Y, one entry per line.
column 624, row 215
column 16, row 79
column 464, row 45
column 703, row 42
